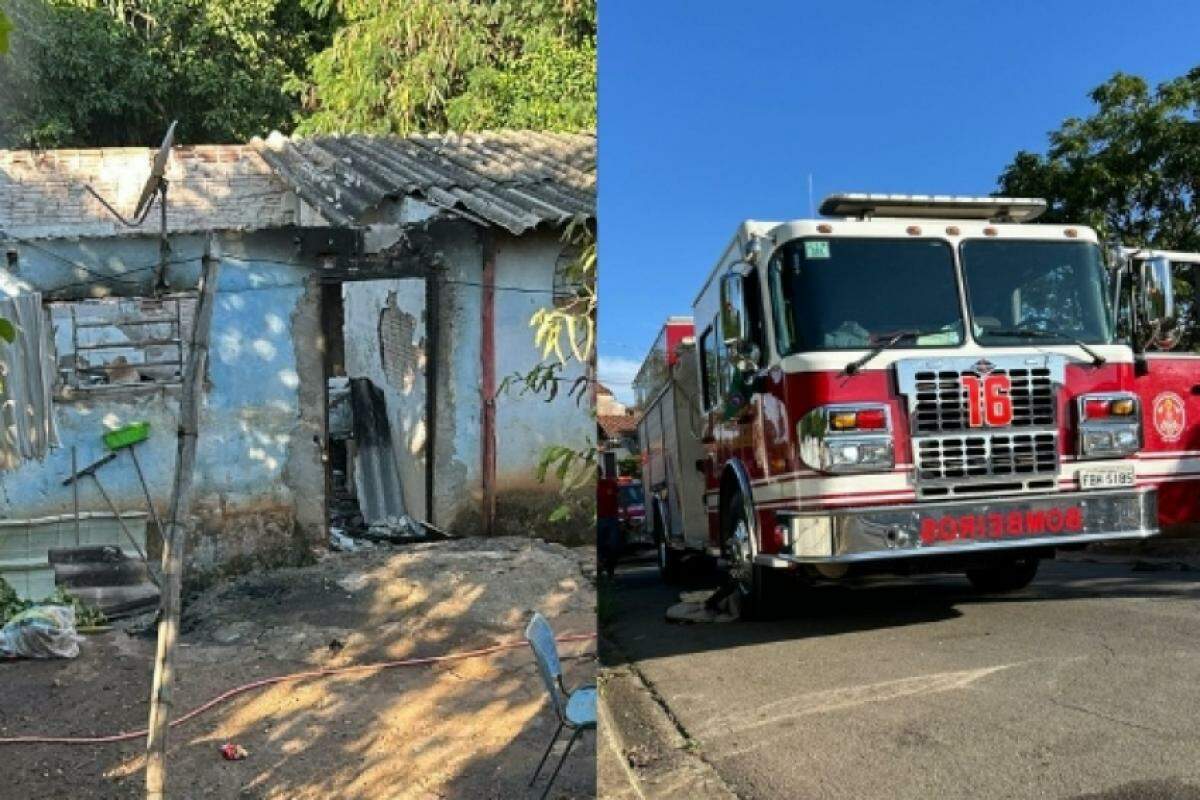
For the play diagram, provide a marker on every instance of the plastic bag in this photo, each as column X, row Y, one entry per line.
column 41, row 632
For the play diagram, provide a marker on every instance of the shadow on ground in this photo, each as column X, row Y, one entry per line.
column 470, row 729
column 633, row 605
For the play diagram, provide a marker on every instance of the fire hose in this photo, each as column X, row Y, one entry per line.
column 295, row 676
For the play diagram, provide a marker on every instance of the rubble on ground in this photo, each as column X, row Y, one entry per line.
column 349, row 532
column 397, row 529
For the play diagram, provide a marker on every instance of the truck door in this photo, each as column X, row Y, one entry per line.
column 1169, row 388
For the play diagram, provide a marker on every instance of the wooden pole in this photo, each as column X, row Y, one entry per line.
column 161, row 699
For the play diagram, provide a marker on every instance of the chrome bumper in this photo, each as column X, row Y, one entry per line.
column 930, row 529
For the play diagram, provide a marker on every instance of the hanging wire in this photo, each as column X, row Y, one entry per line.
column 124, row 277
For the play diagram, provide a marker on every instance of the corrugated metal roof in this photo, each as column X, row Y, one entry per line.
column 516, row 180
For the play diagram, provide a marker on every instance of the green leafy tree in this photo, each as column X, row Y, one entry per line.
column 463, row 64
column 89, row 73
column 1131, row 169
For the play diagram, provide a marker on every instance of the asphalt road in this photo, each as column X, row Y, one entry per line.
column 1085, row 685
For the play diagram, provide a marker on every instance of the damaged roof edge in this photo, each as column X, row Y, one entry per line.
column 515, row 180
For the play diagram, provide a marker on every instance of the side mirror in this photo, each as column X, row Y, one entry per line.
column 744, row 355
column 735, row 326
column 1158, row 303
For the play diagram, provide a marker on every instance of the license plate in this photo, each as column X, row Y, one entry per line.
column 1106, row 477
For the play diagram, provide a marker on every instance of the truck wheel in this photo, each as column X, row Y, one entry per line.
column 1006, row 576
column 750, row 581
column 668, row 557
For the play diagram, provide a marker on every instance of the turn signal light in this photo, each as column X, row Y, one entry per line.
column 843, row 420
column 1104, row 408
column 1123, row 407
column 865, row 419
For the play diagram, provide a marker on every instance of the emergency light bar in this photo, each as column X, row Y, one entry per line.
column 941, row 206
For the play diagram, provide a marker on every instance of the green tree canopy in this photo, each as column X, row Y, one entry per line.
column 86, row 73
column 1131, row 169
column 103, row 72
column 460, row 64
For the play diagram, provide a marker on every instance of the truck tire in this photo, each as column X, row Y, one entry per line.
column 754, row 587
column 1005, row 576
column 668, row 557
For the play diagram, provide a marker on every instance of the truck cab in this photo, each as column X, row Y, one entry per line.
column 913, row 383
column 1156, row 310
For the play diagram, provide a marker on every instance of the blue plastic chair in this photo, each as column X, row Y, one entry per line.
column 575, row 709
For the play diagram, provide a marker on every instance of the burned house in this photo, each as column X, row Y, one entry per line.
column 373, row 294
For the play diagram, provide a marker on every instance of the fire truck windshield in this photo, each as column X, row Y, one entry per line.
column 854, row 294
column 1051, row 291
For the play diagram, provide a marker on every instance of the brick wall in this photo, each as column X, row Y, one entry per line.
column 212, row 187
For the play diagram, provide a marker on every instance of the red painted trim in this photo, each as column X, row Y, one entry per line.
column 487, row 385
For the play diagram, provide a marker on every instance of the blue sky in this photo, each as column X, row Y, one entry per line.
column 713, row 112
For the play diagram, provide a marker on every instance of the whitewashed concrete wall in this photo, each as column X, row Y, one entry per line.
column 525, row 279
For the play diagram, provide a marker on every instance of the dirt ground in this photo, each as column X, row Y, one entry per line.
column 466, row 729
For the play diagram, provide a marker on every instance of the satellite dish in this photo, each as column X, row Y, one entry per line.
column 158, row 168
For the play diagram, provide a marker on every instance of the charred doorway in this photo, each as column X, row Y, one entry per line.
column 377, row 401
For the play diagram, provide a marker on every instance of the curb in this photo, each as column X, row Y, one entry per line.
column 610, row 738
column 658, row 759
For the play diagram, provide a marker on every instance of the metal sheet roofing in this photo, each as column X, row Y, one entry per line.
column 516, row 180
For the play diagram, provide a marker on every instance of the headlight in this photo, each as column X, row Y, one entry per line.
column 847, row 438
column 1110, row 425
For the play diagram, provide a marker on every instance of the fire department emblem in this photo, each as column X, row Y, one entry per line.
column 1169, row 416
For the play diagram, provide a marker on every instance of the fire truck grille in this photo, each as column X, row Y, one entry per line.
column 1011, row 456
column 941, row 400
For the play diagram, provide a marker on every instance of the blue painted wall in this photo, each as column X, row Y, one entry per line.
column 251, row 407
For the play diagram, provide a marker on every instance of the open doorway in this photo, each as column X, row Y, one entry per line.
column 375, row 378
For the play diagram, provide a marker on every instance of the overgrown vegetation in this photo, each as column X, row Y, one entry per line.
column 85, row 615
column 1130, row 169
column 86, row 72
column 99, row 72
column 460, row 64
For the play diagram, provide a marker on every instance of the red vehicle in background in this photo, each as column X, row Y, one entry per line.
column 631, row 505
column 913, row 384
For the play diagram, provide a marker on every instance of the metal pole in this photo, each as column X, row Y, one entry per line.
column 161, row 695
column 75, row 493
column 164, row 245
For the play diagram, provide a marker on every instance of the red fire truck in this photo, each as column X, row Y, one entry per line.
column 916, row 383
